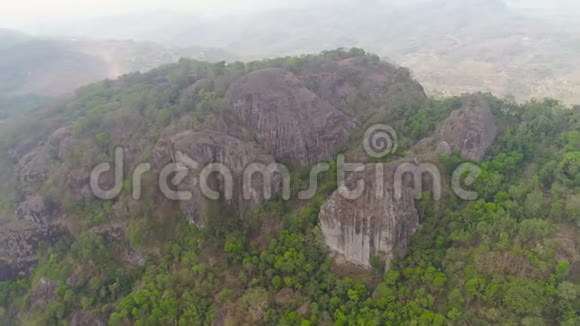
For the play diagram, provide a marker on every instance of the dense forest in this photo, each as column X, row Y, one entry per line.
column 507, row 258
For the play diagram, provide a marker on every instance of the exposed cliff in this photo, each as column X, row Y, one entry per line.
column 204, row 147
column 364, row 228
column 288, row 120
column 372, row 225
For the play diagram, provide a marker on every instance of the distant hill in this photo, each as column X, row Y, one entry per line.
column 34, row 69
column 55, row 67
column 452, row 46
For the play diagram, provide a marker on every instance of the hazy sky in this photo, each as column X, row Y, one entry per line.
column 24, row 12
column 21, row 13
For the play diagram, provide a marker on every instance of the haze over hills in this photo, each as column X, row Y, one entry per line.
column 35, row 69
column 452, row 46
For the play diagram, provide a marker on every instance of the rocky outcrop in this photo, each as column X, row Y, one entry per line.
column 272, row 118
column 19, row 245
column 114, row 236
column 31, row 169
column 346, row 84
column 61, row 157
column 36, row 210
column 197, row 150
column 83, row 318
column 60, row 143
column 371, row 225
column 43, row 294
column 289, row 121
column 470, row 130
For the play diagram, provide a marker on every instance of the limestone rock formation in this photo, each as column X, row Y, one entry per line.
column 370, row 225
column 471, row 130
column 289, row 121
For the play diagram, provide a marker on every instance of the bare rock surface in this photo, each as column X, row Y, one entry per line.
column 289, row 121
column 84, row 318
column 471, row 130
column 346, row 81
column 114, row 236
column 31, row 168
column 370, row 225
column 43, row 294
column 35, row 209
column 18, row 247
column 205, row 147
column 273, row 118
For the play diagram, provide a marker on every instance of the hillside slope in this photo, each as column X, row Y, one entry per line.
column 505, row 256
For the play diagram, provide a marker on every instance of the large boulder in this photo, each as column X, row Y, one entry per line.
column 470, row 130
column 370, row 226
column 207, row 146
column 289, row 121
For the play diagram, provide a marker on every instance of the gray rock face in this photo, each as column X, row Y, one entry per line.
column 273, row 118
column 18, row 248
column 114, row 234
column 43, row 294
column 289, row 121
column 54, row 158
column 343, row 81
column 60, row 143
column 370, row 226
column 206, row 147
column 31, row 168
column 470, row 130
column 35, row 209
column 83, row 318
column 443, row 148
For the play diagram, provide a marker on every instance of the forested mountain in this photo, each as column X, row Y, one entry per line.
column 508, row 256
column 452, row 46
